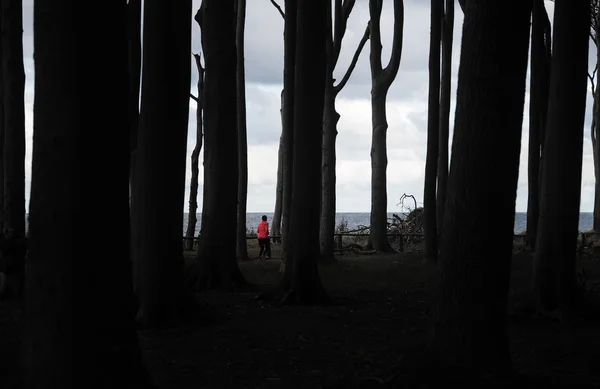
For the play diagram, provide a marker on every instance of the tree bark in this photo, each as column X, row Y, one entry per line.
column 216, row 264
column 1, row 139
column 433, row 133
column 335, row 34
column 476, row 241
column 64, row 167
column 445, row 99
column 195, row 160
column 14, row 136
column 278, row 191
column 134, row 39
column 555, row 257
column 301, row 283
column 595, row 132
column 242, row 247
column 160, row 159
column 381, row 80
column 538, row 109
column 287, row 135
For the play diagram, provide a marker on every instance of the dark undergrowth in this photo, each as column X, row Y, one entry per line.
column 371, row 337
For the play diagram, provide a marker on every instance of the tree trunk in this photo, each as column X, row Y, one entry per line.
column 595, row 134
column 287, row 135
column 242, row 247
column 216, row 262
column 336, row 30
column 301, row 283
column 555, row 256
column 476, row 247
column 328, row 179
column 192, row 218
column 134, row 39
column 107, row 353
column 276, row 227
column 1, row 141
column 160, row 159
column 538, row 109
column 433, row 133
column 445, row 98
column 381, row 80
column 14, row 136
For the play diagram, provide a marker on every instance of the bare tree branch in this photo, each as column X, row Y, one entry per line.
column 342, row 12
column 337, row 88
column 391, row 70
column 591, row 78
column 278, row 8
column 193, row 97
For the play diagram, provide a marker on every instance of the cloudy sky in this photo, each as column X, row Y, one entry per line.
column 407, row 107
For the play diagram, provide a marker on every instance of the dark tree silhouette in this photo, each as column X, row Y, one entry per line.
column 1, row 140
column 14, row 137
column 445, row 91
column 433, row 132
column 335, row 35
column 287, row 131
column 381, row 80
column 242, row 144
column 195, row 157
column 470, row 310
column 134, row 39
column 595, row 128
column 555, row 255
column 276, row 222
column 538, row 109
column 66, row 174
column 216, row 264
column 300, row 283
column 160, row 160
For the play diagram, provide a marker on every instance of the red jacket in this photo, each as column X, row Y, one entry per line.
column 263, row 230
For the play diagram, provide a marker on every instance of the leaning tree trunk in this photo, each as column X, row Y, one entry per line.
column 190, row 233
column 433, row 133
column 14, row 136
column 160, row 159
column 242, row 144
column 335, row 34
column 554, row 276
column 381, row 80
column 216, row 264
column 287, row 132
column 301, row 283
column 476, row 247
column 107, row 353
column 538, row 109
column 445, row 97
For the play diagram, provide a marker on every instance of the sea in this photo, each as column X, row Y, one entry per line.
column 356, row 219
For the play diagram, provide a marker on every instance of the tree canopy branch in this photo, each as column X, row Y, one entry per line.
column 193, row 97
column 337, row 88
column 278, row 8
column 391, row 70
column 342, row 12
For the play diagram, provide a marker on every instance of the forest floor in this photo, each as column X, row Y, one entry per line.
column 377, row 325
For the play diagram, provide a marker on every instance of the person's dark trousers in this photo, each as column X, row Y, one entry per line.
column 265, row 247
column 268, row 248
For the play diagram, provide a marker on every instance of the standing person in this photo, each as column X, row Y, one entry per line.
column 263, row 238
